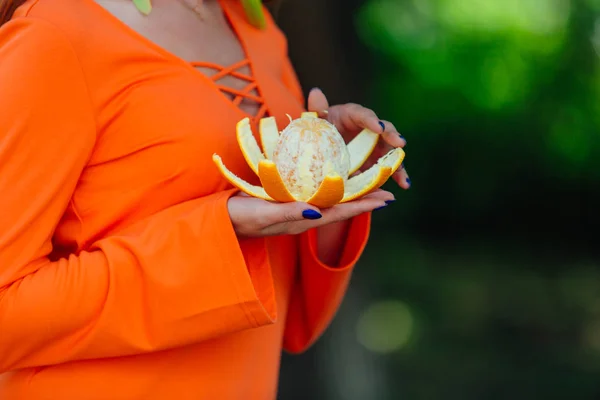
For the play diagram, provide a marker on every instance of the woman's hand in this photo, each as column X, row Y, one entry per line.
column 350, row 119
column 252, row 217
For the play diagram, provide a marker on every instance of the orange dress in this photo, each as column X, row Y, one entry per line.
column 120, row 274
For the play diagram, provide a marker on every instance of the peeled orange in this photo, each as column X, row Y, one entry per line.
column 309, row 161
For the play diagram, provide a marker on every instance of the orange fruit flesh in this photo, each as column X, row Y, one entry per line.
column 306, row 145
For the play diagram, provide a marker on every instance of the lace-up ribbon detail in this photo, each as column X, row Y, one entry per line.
column 239, row 94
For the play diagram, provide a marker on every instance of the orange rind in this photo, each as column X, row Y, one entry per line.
column 269, row 135
column 360, row 148
column 330, row 191
column 272, row 183
column 309, row 161
column 374, row 177
column 250, row 150
column 252, row 190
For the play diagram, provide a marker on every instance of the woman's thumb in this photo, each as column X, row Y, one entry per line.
column 317, row 101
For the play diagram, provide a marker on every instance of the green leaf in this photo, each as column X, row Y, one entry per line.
column 143, row 6
column 255, row 13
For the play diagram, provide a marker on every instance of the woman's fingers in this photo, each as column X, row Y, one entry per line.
column 381, row 195
column 348, row 118
column 252, row 217
column 356, row 118
column 391, row 135
column 307, row 216
column 317, row 102
column 352, row 118
column 401, row 178
column 290, row 212
column 299, row 217
column 344, row 211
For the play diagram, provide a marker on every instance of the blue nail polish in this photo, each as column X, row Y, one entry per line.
column 382, row 125
column 389, row 201
column 379, row 208
column 311, row 214
column 403, row 138
column 408, row 181
column 402, row 166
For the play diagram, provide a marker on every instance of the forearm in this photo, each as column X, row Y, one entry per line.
column 158, row 275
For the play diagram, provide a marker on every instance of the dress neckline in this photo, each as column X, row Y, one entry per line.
column 240, row 28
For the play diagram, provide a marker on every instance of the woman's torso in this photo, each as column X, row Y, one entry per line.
column 159, row 120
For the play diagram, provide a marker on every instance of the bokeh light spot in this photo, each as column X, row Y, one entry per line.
column 591, row 335
column 385, row 326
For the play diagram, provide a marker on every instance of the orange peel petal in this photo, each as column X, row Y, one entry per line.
column 329, row 193
column 269, row 135
column 251, row 190
column 360, row 148
column 248, row 145
column 373, row 178
column 272, row 182
column 392, row 159
column 366, row 182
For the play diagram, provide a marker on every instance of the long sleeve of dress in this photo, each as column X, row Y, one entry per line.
column 178, row 277
column 321, row 288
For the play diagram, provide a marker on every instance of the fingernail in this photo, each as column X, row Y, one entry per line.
column 403, row 138
column 402, row 166
column 311, row 214
column 379, row 208
column 389, row 201
column 316, row 88
column 408, row 181
column 382, row 125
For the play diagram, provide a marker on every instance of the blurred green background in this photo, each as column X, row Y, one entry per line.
column 482, row 280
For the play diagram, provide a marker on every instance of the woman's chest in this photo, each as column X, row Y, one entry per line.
column 156, row 138
column 160, row 120
column 206, row 39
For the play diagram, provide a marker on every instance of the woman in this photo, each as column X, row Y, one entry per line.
column 129, row 268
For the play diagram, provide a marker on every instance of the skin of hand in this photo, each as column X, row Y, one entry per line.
column 252, row 217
